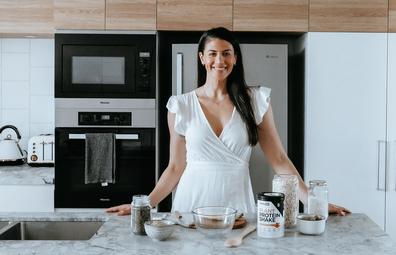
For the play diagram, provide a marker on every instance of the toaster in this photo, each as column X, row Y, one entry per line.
column 41, row 150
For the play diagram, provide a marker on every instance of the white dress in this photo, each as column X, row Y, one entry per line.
column 217, row 171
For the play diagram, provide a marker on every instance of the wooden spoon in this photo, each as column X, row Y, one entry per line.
column 236, row 241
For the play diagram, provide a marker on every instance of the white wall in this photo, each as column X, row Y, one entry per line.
column 27, row 87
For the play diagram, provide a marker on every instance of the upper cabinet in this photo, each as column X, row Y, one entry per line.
column 131, row 15
column 392, row 16
column 79, row 14
column 27, row 17
column 269, row 15
column 193, row 15
column 348, row 15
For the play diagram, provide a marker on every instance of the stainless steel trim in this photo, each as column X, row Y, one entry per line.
column 179, row 71
column 87, row 31
column 118, row 136
column 103, row 103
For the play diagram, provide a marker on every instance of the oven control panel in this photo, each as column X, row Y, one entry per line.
column 105, row 118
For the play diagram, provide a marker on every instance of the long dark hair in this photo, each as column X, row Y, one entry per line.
column 236, row 84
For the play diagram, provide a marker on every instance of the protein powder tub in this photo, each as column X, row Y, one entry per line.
column 270, row 212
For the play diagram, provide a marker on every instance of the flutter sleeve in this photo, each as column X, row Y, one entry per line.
column 175, row 106
column 260, row 102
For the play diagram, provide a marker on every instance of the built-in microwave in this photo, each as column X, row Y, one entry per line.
column 105, row 64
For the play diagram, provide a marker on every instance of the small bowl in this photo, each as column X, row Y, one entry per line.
column 214, row 221
column 311, row 227
column 159, row 229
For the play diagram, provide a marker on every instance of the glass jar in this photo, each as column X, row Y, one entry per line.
column 318, row 198
column 140, row 213
column 288, row 184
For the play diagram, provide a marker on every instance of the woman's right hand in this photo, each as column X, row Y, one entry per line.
column 124, row 209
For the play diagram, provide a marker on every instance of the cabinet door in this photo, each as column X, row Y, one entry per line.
column 346, row 119
column 27, row 16
column 348, row 16
column 79, row 14
column 269, row 15
column 391, row 159
column 392, row 16
column 193, row 15
column 131, row 14
column 26, row 198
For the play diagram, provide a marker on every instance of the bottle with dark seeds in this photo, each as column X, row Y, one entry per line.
column 140, row 213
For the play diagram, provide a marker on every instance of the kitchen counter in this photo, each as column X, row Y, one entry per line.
column 26, row 175
column 351, row 234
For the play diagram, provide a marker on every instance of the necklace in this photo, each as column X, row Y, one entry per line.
column 212, row 100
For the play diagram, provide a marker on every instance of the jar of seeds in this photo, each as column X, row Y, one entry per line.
column 288, row 185
column 140, row 213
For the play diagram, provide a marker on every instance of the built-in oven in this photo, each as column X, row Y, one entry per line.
column 105, row 117
column 105, row 64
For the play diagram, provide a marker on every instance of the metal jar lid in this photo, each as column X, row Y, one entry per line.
column 318, row 182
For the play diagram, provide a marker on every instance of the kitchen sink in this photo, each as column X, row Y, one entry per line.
column 49, row 230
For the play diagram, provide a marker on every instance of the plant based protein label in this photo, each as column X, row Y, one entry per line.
column 270, row 214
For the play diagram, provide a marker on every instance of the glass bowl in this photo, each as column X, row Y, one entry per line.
column 159, row 229
column 214, row 221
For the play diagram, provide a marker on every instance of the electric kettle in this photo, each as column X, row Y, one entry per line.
column 10, row 152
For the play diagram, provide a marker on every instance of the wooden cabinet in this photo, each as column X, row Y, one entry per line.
column 27, row 198
column 348, row 16
column 30, row 17
column 193, row 15
column 131, row 15
column 269, row 15
column 346, row 119
column 392, row 16
column 79, row 14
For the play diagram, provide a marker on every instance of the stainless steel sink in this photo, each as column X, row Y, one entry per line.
column 50, row 230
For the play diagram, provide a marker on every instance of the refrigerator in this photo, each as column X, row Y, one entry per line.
column 264, row 65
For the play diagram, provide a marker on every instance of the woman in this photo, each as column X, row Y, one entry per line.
column 212, row 132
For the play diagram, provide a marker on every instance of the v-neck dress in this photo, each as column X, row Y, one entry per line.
column 217, row 171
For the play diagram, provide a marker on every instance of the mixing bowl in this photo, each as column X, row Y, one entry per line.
column 159, row 229
column 214, row 221
column 311, row 224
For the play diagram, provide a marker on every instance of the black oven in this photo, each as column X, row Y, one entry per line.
column 134, row 167
column 105, row 64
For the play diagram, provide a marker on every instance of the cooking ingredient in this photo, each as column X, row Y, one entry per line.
column 288, row 185
column 318, row 198
column 313, row 218
column 157, row 223
column 236, row 241
column 270, row 215
column 140, row 213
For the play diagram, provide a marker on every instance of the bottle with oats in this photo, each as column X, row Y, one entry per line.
column 288, row 184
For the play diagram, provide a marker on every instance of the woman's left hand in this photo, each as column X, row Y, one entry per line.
column 338, row 209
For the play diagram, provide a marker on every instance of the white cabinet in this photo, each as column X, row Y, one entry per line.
column 391, row 133
column 345, row 121
column 27, row 198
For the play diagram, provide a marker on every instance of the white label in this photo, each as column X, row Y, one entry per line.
column 270, row 222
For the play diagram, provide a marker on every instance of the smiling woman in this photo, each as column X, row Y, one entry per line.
column 213, row 130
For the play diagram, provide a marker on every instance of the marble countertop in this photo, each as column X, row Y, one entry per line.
column 26, row 175
column 351, row 234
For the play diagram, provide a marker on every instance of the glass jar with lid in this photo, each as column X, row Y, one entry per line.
column 140, row 213
column 288, row 184
column 318, row 198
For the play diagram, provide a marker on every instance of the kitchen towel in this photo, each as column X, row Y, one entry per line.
column 100, row 158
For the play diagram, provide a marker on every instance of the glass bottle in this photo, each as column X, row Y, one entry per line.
column 288, row 184
column 318, row 198
column 140, row 213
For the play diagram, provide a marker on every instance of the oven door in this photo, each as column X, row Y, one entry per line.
column 134, row 173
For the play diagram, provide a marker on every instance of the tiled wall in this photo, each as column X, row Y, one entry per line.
column 27, row 87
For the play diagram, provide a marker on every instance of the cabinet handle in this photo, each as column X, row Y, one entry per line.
column 378, row 162
column 179, row 75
